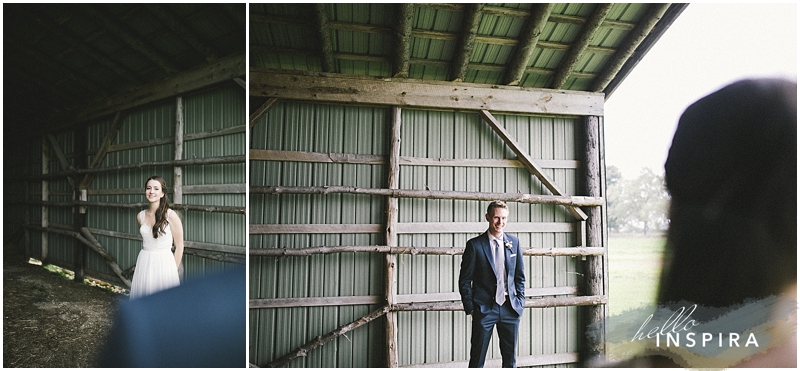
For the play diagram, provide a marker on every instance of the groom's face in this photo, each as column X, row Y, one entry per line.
column 497, row 220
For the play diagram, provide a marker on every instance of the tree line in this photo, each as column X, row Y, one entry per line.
column 638, row 205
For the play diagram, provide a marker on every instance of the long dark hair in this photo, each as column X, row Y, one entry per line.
column 163, row 206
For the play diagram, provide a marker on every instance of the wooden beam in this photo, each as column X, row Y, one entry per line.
column 186, row 162
column 435, row 195
column 528, row 162
column 455, row 306
column 110, row 261
column 214, row 133
column 588, row 30
column 261, row 111
column 101, row 152
column 315, row 302
column 318, row 341
column 59, row 153
column 324, row 37
column 178, row 27
column 402, row 33
column 529, row 37
column 352, row 158
column 472, row 19
column 535, row 360
column 132, row 40
column 410, row 228
column 66, row 37
column 579, row 251
column 428, row 95
column 655, row 34
column 45, row 221
column 628, row 47
column 217, row 72
column 315, row 228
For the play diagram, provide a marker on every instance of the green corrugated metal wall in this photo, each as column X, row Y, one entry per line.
column 151, row 129
column 423, row 337
column 317, row 128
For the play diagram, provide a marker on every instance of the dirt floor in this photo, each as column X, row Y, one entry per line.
column 50, row 320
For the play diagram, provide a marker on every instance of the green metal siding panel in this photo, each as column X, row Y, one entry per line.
column 329, row 129
column 427, row 337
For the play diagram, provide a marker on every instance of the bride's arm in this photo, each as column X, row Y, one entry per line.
column 177, row 236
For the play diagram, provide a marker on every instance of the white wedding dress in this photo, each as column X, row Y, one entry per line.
column 155, row 267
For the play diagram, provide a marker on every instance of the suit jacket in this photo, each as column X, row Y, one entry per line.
column 201, row 323
column 477, row 282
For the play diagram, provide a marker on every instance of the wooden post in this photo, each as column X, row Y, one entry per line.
column 177, row 179
column 391, row 237
column 595, row 265
column 45, row 197
column 79, row 213
column 177, row 186
column 26, row 237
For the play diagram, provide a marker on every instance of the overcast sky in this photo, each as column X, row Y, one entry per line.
column 707, row 47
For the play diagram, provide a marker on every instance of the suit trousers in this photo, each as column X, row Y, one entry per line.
column 507, row 321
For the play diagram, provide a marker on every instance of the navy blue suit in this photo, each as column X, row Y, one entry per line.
column 477, row 284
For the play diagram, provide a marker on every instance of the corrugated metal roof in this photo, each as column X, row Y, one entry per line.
column 367, row 39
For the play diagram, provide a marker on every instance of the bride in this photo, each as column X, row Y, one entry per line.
column 156, row 266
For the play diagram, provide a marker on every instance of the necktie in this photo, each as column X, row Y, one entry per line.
column 500, row 270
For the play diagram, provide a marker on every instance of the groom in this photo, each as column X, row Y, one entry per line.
column 492, row 286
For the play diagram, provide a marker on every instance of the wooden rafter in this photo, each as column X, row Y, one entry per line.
column 628, row 47
column 580, row 44
column 130, row 39
column 529, row 37
column 324, row 32
column 173, row 22
column 472, row 19
column 68, row 38
column 402, row 51
column 526, row 160
column 219, row 71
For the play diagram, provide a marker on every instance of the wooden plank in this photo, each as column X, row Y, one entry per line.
column 409, row 228
column 261, row 111
column 101, row 152
column 135, row 145
column 315, row 228
column 528, row 162
column 215, row 133
column 455, row 296
column 185, row 162
column 316, row 157
column 219, row 71
column 522, row 361
column 425, row 95
column 215, row 189
column 456, row 306
column 315, row 302
column 434, row 195
column 419, row 250
column 480, row 227
column 347, row 158
column 190, row 244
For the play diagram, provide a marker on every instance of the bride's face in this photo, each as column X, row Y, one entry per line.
column 153, row 191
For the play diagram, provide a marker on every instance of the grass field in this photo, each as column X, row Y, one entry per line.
column 634, row 266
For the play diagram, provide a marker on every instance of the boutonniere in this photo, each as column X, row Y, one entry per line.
column 508, row 245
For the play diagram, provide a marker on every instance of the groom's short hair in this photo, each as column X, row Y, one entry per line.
column 496, row 204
